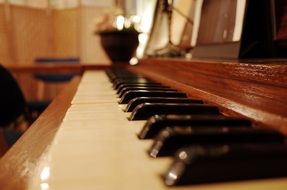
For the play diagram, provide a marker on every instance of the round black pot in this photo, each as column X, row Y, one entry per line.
column 120, row 46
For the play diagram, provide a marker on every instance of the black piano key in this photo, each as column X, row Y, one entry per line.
column 144, row 88
column 128, row 96
column 143, row 81
column 162, row 90
column 146, row 110
column 171, row 139
column 129, row 80
column 121, row 74
column 158, row 122
column 205, row 164
column 124, row 76
column 137, row 101
column 122, row 86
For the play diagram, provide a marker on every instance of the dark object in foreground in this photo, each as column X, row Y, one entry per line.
column 173, row 138
column 201, row 164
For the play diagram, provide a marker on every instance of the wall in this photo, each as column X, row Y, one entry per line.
column 5, row 53
column 90, row 48
column 31, row 34
column 66, row 29
column 27, row 33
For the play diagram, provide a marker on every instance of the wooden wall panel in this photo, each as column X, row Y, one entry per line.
column 91, row 50
column 6, row 46
column 66, row 29
column 32, row 32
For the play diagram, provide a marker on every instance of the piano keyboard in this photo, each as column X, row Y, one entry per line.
column 99, row 145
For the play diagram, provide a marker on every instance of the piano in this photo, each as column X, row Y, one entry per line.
column 85, row 139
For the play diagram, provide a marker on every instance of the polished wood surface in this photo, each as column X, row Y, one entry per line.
column 254, row 90
column 18, row 164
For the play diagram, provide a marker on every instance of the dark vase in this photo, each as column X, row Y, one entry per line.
column 120, row 46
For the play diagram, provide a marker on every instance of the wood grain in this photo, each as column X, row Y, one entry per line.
column 253, row 90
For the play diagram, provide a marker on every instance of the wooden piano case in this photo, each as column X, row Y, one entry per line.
column 253, row 90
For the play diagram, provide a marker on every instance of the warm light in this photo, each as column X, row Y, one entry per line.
column 44, row 186
column 128, row 24
column 143, row 38
column 135, row 19
column 120, row 22
column 45, row 174
column 182, row 155
column 134, row 61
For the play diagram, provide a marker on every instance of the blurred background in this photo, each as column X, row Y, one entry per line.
column 30, row 29
column 43, row 44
